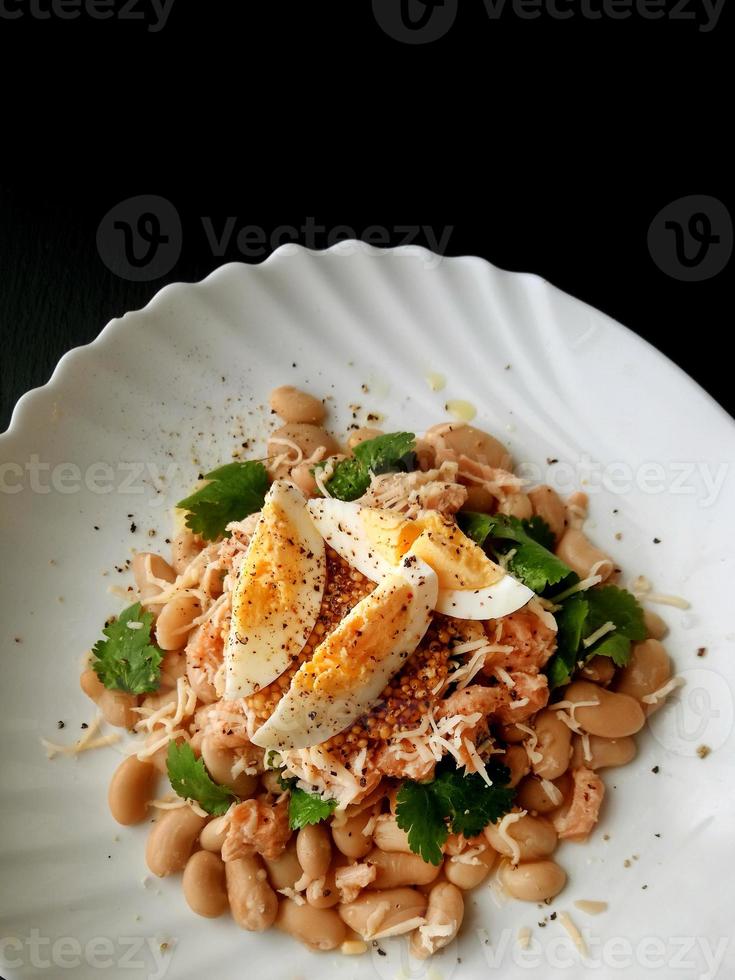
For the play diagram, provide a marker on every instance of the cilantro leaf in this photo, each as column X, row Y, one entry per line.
column 422, row 814
column 537, row 528
column 580, row 617
column 471, row 803
column 390, row 453
column 307, row 808
column 570, row 621
column 532, row 562
column 464, row 803
column 476, row 526
column 190, row 780
column 616, row 646
column 127, row 660
column 233, row 492
column 611, row 604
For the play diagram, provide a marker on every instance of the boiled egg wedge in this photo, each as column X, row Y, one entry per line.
column 471, row 585
column 353, row 664
column 278, row 593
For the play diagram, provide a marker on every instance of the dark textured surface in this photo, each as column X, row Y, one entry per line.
column 57, row 293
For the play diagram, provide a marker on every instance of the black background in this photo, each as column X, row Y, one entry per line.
column 545, row 146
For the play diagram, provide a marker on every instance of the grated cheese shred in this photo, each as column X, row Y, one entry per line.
column 512, row 843
column 643, row 591
column 655, row 696
column 530, row 745
column 576, row 936
column 91, row 739
column 322, row 474
column 606, row 628
column 553, row 792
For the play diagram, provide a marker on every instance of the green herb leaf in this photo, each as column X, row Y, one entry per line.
column 190, row 780
column 532, row 561
column 305, row 808
column 537, row 528
column 476, row 526
column 127, row 660
column 580, row 616
column 422, row 814
column 233, row 492
column 464, row 803
column 308, row 808
column 614, row 645
column 390, row 453
column 608, row 603
column 571, row 621
column 471, row 803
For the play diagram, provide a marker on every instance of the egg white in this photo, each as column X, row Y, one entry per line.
column 307, row 717
column 275, row 605
column 342, row 526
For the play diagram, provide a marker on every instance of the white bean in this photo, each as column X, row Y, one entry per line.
column 320, row 929
column 534, row 881
column 294, row 405
column 171, row 840
column 176, row 619
column 253, row 902
column 204, row 885
column 445, row 908
column 314, row 850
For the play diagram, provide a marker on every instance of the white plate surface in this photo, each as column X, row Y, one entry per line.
column 170, row 391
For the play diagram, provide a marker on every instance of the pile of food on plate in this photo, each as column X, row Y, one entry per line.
column 374, row 676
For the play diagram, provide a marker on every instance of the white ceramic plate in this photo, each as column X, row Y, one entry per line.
column 172, row 390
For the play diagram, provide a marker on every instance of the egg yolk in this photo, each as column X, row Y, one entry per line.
column 391, row 535
column 458, row 562
column 351, row 652
column 268, row 587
